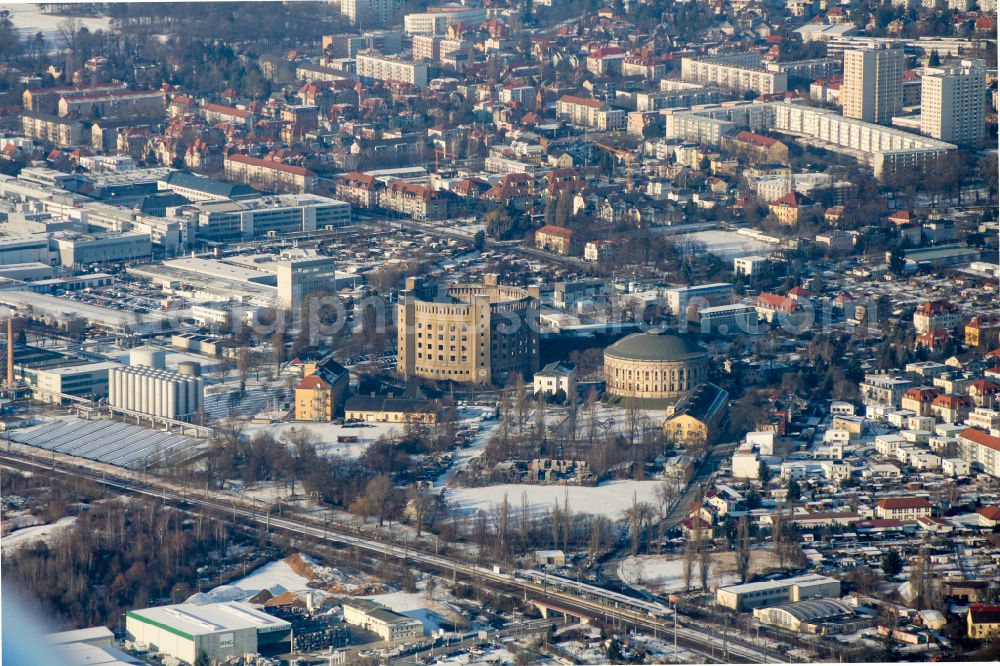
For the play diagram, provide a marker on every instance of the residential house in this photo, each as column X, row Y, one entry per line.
column 902, row 508
column 793, row 208
column 554, row 239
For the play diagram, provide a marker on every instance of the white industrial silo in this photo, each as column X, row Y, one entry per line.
column 171, row 400
column 147, row 357
column 158, row 401
column 130, row 390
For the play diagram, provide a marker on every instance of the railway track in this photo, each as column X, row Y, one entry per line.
column 701, row 641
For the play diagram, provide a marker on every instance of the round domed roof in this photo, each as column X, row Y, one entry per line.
column 655, row 347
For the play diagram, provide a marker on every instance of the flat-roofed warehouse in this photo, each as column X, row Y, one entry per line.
column 222, row 630
column 110, row 442
column 378, row 619
column 773, row 592
column 57, row 311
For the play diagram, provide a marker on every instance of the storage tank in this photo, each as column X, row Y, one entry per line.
column 172, row 400
column 189, row 368
column 130, row 391
column 146, row 394
column 148, row 357
column 158, row 401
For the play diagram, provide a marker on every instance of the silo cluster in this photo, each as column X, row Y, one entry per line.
column 156, row 392
column 147, row 356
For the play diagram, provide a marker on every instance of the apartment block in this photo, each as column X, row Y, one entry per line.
column 591, row 113
column 51, row 129
column 387, row 68
column 369, row 13
column 737, row 74
column 953, row 102
column 873, row 83
column 269, row 175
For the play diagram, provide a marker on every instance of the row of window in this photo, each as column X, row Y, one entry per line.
column 650, row 388
column 655, row 374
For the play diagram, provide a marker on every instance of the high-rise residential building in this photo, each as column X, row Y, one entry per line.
column 370, row 13
column 873, row 83
column 952, row 102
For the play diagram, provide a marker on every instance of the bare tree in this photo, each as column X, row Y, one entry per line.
column 301, row 443
column 704, row 566
column 503, row 526
column 666, row 492
column 591, row 409
column 632, row 415
column 278, row 344
column 572, row 415
column 520, row 401
column 378, row 495
column 243, row 366
column 539, row 413
column 743, row 548
column 421, row 504
column 567, row 520
column 69, row 36
column 689, row 557
column 638, row 515
column 599, row 525
column 777, row 529
column 525, row 516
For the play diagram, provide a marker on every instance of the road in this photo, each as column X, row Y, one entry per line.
column 703, row 642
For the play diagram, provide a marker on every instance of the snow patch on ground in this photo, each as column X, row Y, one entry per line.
column 416, row 605
column 277, row 577
column 728, row 244
column 665, row 573
column 611, row 499
column 30, row 535
column 29, row 19
column 327, row 433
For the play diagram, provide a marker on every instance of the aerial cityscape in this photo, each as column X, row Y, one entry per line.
column 499, row 332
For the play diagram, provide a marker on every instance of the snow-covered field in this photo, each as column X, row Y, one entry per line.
column 665, row 573
column 29, row 19
column 35, row 533
column 611, row 499
column 729, row 244
column 328, row 434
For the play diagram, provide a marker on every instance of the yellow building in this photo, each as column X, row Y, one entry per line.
column 382, row 409
column 469, row 333
column 654, row 366
column 321, row 392
column 554, row 239
column 696, row 417
column 983, row 621
column 981, row 333
column 792, row 208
